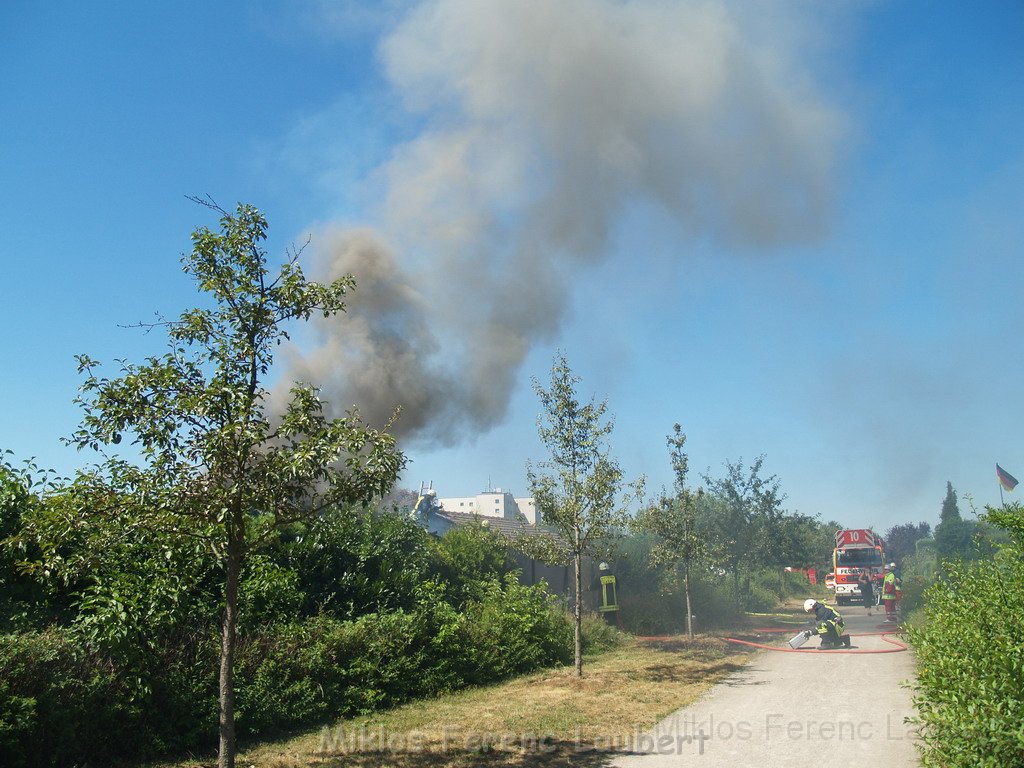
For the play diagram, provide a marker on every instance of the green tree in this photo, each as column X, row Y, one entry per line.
column 806, row 540
column 673, row 519
column 1009, row 518
column 813, row 542
column 954, row 539
column 215, row 464
column 953, row 534
column 746, row 522
column 777, row 540
column 950, row 509
column 577, row 489
column 22, row 601
column 901, row 540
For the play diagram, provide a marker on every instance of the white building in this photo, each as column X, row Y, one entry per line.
column 502, row 513
column 496, row 503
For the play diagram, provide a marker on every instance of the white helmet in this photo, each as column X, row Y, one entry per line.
column 809, row 604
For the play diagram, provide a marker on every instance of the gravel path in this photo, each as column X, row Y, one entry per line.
column 786, row 710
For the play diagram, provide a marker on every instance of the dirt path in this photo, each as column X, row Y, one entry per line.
column 792, row 709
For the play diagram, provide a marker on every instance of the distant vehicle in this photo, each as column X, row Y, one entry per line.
column 857, row 549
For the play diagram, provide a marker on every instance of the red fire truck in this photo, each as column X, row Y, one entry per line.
column 857, row 549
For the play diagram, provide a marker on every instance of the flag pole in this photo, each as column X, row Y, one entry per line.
column 1001, row 501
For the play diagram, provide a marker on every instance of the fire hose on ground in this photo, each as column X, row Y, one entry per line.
column 884, row 635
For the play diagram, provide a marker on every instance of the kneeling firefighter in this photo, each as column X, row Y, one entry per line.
column 828, row 624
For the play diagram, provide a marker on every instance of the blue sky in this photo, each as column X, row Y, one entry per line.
column 793, row 228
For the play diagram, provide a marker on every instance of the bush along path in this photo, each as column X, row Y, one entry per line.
column 970, row 681
column 357, row 612
column 547, row 718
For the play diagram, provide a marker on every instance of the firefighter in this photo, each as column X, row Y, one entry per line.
column 828, row 624
column 607, row 583
column 899, row 596
column 889, row 585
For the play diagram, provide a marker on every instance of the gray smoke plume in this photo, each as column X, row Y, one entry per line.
column 542, row 120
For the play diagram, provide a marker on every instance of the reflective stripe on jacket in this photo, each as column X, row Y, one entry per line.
column 889, row 586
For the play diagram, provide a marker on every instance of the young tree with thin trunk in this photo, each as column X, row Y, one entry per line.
column 673, row 519
column 577, row 489
column 215, row 464
column 747, row 522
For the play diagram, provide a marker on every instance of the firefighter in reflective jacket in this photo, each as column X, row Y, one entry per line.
column 607, row 583
column 890, row 585
column 828, row 624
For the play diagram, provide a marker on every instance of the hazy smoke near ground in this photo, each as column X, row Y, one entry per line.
column 541, row 120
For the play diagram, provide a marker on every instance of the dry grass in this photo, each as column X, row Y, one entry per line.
column 545, row 720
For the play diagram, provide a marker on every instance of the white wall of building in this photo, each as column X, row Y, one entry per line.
column 496, row 503
column 528, row 509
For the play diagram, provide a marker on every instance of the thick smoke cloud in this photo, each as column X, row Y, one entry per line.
column 541, row 120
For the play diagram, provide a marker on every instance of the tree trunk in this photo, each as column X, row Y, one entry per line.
column 579, row 615
column 689, row 609
column 226, row 753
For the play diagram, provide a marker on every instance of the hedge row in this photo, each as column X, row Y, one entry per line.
column 62, row 705
column 970, row 651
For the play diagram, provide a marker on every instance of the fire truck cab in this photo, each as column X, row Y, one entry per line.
column 857, row 549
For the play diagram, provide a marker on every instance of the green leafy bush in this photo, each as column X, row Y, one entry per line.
column 60, row 705
column 23, row 604
column 768, row 587
column 753, row 596
column 346, row 615
column 917, row 573
column 513, row 629
column 651, row 613
column 325, row 668
column 354, row 562
column 471, row 556
column 599, row 635
column 85, row 708
column 969, row 691
column 269, row 594
column 328, row 668
column 181, row 708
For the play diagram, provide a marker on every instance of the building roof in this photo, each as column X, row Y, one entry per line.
column 510, row 528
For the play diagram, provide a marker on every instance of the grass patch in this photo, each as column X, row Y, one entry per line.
column 543, row 720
